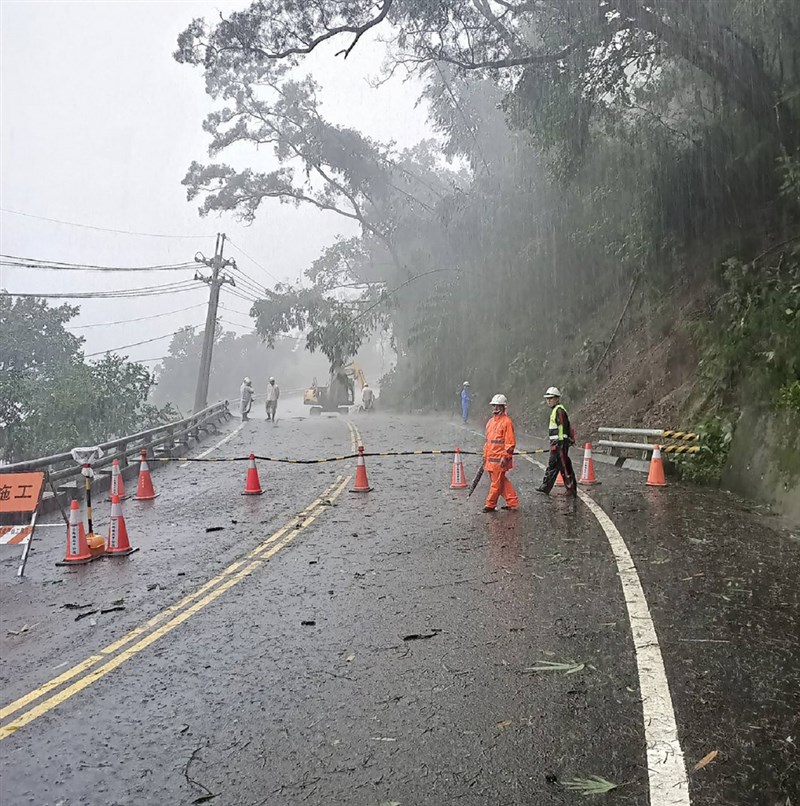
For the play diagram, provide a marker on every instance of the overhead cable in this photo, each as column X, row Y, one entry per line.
column 241, row 295
column 245, row 282
column 136, row 343
column 102, row 229
column 139, row 318
column 147, row 291
column 253, row 260
column 57, row 265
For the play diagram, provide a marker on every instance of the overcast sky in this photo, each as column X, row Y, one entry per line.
column 99, row 124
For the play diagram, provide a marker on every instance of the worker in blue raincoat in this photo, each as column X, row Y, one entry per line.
column 466, row 399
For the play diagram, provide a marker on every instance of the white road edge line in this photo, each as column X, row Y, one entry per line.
column 666, row 767
column 205, row 453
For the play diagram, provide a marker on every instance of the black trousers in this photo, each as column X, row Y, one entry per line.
column 560, row 463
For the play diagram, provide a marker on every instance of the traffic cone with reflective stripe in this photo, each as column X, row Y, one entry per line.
column 144, row 489
column 459, row 481
column 252, row 486
column 118, row 543
column 117, row 482
column 78, row 551
column 361, row 485
column 655, row 478
column 560, row 480
column 587, row 473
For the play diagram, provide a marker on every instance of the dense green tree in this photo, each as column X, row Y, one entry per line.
column 50, row 400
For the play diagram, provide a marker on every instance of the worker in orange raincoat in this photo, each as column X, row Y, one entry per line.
column 498, row 456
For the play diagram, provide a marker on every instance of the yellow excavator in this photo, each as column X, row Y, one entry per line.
column 339, row 394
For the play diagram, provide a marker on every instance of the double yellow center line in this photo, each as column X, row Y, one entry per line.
column 110, row 657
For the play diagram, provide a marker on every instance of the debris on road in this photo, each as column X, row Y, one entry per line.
column 73, row 606
column 594, row 785
column 112, row 609
column 421, row 636
column 214, row 529
column 84, row 615
column 308, row 623
column 23, row 629
column 705, row 760
column 570, row 667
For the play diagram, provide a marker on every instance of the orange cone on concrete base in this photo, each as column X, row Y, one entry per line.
column 118, row 543
column 117, row 482
column 144, row 489
column 459, row 480
column 655, row 478
column 361, row 485
column 252, row 486
column 587, row 473
column 78, row 551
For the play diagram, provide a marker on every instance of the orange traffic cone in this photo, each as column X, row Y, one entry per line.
column 560, row 480
column 459, row 481
column 118, row 543
column 362, row 485
column 252, row 486
column 144, row 489
column 117, row 482
column 587, row 473
column 78, row 551
column 655, row 478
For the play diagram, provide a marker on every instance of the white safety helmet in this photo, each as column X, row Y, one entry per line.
column 272, row 380
column 499, row 400
column 247, row 380
column 466, row 383
column 552, row 392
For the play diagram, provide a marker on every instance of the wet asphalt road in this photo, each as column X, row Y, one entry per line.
column 301, row 682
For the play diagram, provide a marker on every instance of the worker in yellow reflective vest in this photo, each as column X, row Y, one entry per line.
column 560, row 433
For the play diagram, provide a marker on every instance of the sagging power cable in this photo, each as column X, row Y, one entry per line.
column 145, row 291
column 138, row 318
column 17, row 261
column 103, row 229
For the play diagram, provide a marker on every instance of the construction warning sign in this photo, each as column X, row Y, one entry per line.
column 20, row 492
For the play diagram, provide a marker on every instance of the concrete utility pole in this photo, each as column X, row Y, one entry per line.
column 215, row 281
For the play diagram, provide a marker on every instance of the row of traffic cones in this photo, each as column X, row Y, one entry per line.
column 83, row 548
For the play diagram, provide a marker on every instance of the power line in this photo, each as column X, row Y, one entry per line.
column 57, row 265
column 237, row 324
column 253, row 260
column 249, row 321
column 137, row 343
column 101, row 229
column 139, row 318
column 147, row 291
column 241, row 295
column 245, row 282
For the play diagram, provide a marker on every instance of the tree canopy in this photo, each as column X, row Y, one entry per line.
column 586, row 148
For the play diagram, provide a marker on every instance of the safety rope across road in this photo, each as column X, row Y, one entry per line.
column 344, row 458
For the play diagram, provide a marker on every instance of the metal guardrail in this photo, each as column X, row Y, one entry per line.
column 162, row 439
column 661, row 434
